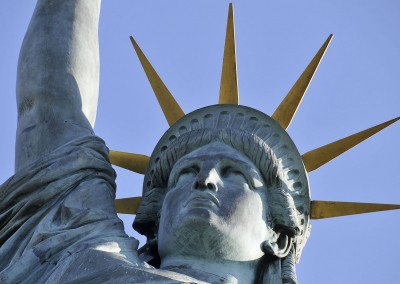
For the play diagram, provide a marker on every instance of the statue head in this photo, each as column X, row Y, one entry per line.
column 215, row 205
column 226, row 182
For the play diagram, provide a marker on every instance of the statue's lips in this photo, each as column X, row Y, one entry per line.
column 203, row 198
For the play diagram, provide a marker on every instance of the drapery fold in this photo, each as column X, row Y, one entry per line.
column 58, row 206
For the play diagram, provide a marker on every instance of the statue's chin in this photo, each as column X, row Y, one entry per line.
column 201, row 236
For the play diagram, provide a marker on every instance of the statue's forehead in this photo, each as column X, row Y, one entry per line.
column 217, row 149
column 216, row 152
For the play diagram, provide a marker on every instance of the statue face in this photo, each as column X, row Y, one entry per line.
column 215, row 206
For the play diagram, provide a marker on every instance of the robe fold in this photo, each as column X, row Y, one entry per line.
column 57, row 207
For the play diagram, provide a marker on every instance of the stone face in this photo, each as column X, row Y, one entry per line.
column 215, row 211
column 218, row 195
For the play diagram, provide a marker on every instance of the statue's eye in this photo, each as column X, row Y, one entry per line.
column 237, row 175
column 193, row 170
column 187, row 174
column 233, row 173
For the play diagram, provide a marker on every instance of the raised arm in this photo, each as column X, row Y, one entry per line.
column 58, row 77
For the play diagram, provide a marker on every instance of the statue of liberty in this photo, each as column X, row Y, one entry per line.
column 225, row 195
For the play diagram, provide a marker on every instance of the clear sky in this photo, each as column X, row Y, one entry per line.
column 356, row 87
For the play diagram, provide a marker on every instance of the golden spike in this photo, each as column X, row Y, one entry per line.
column 228, row 92
column 320, row 156
column 329, row 209
column 172, row 110
column 288, row 107
column 128, row 205
column 133, row 162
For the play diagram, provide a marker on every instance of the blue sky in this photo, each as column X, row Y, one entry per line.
column 356, row 86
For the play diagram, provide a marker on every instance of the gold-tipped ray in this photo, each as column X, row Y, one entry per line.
column 228, row 92
column 329, row 209
column 128, row 205
column 171, row 109
column 288, row 107
column 322, row 155
column 133, row 162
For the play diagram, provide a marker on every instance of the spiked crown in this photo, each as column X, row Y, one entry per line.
column 223, row 116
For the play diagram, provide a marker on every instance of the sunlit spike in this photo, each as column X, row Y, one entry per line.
column 133, row 162
column 127, row 205
column 320, row 156
column 172, row 110
column 228, row 92
column 288, row 107
column 329, row 209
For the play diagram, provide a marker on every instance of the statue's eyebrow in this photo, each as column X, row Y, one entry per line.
column 191, row 160
column 249, row 173
column 177, row 167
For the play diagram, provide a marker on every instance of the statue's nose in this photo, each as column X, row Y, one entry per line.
column 206, row 180
column 201, row 184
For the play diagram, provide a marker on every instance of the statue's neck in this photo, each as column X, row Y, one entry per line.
column 206, row 269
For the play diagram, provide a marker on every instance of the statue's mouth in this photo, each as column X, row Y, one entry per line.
column 202, row 199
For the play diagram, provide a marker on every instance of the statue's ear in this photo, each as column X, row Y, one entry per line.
column 280, row 246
